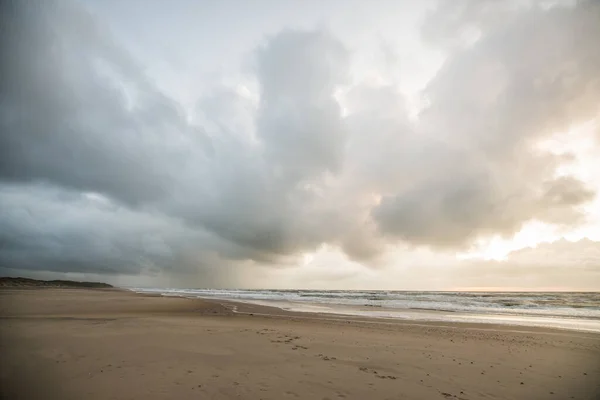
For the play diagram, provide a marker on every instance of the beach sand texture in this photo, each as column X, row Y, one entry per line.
column 111, row 344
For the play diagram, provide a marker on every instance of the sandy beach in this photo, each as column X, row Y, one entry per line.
column 111, row 344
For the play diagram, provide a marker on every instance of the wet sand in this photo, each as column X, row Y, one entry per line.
column 110, row 344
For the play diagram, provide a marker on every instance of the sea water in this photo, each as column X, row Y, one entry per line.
column 572, row 310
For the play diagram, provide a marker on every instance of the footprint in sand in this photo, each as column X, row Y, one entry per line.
column 367, row 370
column 326, row 358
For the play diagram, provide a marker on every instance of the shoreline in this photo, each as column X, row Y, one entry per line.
column 98, row 344
column 411, row 316
column 276, row 312
column 251, row 309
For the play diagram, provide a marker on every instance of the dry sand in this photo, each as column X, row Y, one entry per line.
column 108, row 344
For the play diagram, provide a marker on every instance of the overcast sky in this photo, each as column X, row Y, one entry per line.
column 393, row 144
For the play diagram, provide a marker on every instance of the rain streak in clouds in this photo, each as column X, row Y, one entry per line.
column 103, row 172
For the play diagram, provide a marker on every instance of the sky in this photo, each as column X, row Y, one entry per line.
column 334, row 144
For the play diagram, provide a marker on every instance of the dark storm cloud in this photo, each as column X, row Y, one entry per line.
column 78, row 114
column 47, row 228
column 66, row 113
column 50, row 229
column 102, row 172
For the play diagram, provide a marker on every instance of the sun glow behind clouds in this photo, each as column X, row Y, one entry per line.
column 497, row 248
column 580, row 150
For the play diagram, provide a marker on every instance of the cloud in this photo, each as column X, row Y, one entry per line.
column 49, row 229
column 257, row 195
column 78, row 112
column 45, row 227
column 561, row 264
column 102, row 172
column 299, row 120
column 581, row 254
column 87, row 119
column 478, row 172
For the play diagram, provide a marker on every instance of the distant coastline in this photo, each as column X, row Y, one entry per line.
column 9, row 282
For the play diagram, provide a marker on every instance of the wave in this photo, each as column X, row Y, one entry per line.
column 582, row 305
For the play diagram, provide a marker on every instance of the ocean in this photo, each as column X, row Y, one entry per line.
column 562, row 310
